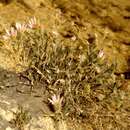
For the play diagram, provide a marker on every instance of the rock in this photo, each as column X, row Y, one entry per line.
column 13, row 104
column 62, row 125
column 41, row 123
column 9, row 106
column 31, row 4
column 9, row 128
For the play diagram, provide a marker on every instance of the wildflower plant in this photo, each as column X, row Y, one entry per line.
column 14, row 39
column 79, row 73
column 56, row 101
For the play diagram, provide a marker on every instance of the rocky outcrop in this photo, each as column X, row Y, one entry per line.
column 13, row 96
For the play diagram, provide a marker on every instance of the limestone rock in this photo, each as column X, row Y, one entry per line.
column 32, row 4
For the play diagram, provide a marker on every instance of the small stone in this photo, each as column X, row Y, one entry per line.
column 62, row 125
column 9, row 116
column 73, row 38
column 2, row 87
column 8, row 128
column 101, row 97
column 32, row 4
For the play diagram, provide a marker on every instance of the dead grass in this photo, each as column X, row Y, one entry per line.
column 21, row 118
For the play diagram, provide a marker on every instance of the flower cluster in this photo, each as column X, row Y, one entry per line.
column 13, row 31
column 10, row 33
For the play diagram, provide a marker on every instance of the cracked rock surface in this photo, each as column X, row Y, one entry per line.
column 11, row 97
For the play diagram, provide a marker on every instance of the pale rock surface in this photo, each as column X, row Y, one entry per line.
column 32, row 4
column 11, row 99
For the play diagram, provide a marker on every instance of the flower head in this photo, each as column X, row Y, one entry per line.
column 10, row 33
column 21, row 27
column 32, row 23
column 56, row 101
column 101, row 54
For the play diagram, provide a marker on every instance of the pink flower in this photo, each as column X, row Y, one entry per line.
column 56, row 101
column 13, row 32
column 10, row 33
column 101, row 54
column 32, row 23
column 21, row 27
